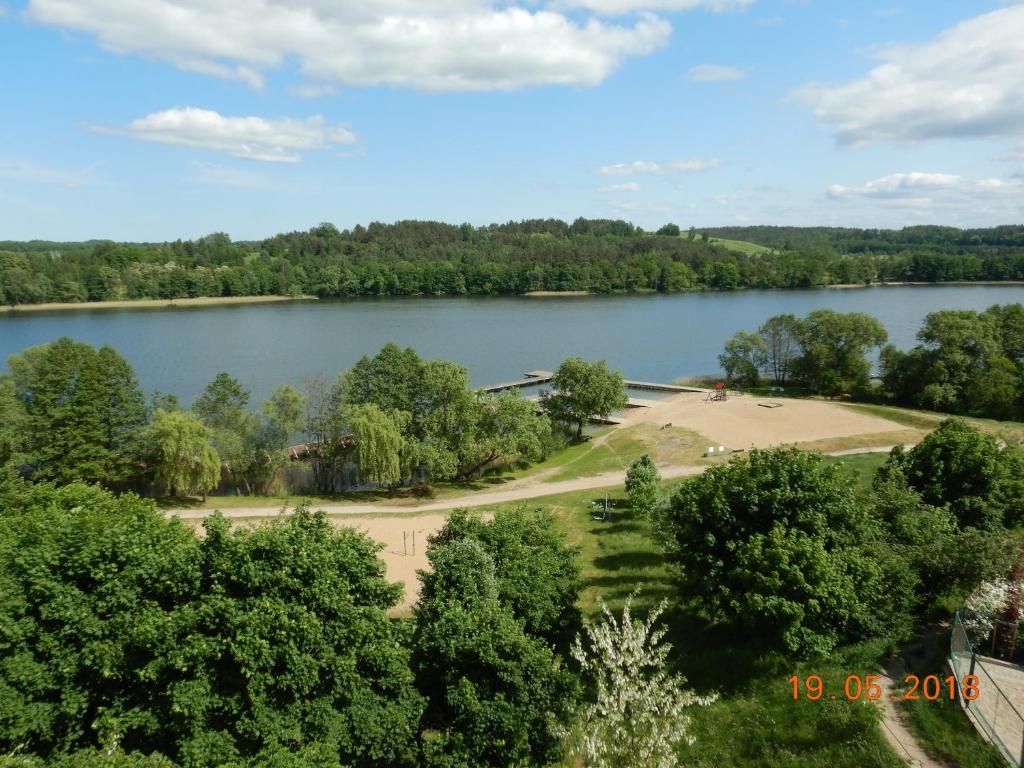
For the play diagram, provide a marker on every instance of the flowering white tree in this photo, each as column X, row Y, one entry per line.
column 639, row 718
column 986, row 604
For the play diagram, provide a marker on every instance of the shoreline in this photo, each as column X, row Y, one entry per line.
column 183, row 303
column 545, row 294
column 213, row 301
column 851, row 286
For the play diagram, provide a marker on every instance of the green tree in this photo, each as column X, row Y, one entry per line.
column 775, row 542
column 379, row 444
column 84, row 412
column 492, row 689
column 91, row 582
column 745, row 355
column 506, row 427
column 12, row 423
column 643, row 486
column 184, row 460
column 584, row 390
column 390, row 380
column 285, row 409
column 835, row 347
column 250, row 647
column 781, row 335
column 537, row 572
column 222, row 403
column 326, row 431
column 958, row 367
column 963, row 469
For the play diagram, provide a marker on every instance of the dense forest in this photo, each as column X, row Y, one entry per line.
column 411, row 258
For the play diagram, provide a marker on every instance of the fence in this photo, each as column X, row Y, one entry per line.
column 993, row 711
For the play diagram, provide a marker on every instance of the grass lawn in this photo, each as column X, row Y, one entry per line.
column 615, row 450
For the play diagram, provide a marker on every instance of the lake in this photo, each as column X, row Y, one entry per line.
column 652, row 338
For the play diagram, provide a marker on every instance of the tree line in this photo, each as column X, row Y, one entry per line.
column 71, row 412
column 966, row 362
column 919, row 253
column 423, row 258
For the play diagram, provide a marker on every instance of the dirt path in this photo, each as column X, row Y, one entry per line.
column 893, row 724
column 535, row 488
column 532, row 487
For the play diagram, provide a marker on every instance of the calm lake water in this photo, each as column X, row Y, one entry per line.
column 653, row 338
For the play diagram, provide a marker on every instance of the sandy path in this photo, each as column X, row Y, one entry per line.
column 532, row 487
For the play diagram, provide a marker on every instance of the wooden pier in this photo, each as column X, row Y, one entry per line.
column 530, row 379
column 533, row 378
column 653, row 387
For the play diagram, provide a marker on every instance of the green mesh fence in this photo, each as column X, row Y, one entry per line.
column 993, row 710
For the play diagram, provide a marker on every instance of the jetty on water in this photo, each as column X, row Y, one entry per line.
column 533, row 378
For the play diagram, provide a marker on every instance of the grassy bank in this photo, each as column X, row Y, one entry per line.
column 202, row 301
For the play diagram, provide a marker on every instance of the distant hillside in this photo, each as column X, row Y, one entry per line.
column 412, row 258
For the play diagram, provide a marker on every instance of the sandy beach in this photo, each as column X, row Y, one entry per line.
column 202, row 301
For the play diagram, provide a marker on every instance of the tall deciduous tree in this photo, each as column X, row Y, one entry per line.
column 782, row 341
column 184, row 460
column 834, row 350
column 492, row 689
column 745, row 355
column 583, row 390
column 775, row 541
column 536, row 570
column 249, row 647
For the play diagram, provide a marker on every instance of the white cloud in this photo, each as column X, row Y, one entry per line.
column 967, row 82
column 935, row 197
column 629, row 186
column 645, row 167
column 25, row 171
column 898, row 184
column 438, row 45
column 254, row 138
column 715, row 73
column 615, row 7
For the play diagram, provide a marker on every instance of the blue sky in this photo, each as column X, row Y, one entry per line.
column 159, row 119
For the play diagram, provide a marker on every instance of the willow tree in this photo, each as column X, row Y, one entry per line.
column 379, row 444
column 184, row 460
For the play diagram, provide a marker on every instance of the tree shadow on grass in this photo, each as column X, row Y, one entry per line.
column 631, row 561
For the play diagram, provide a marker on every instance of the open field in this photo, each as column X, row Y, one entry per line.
column 741, row 246
column 202, row 301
